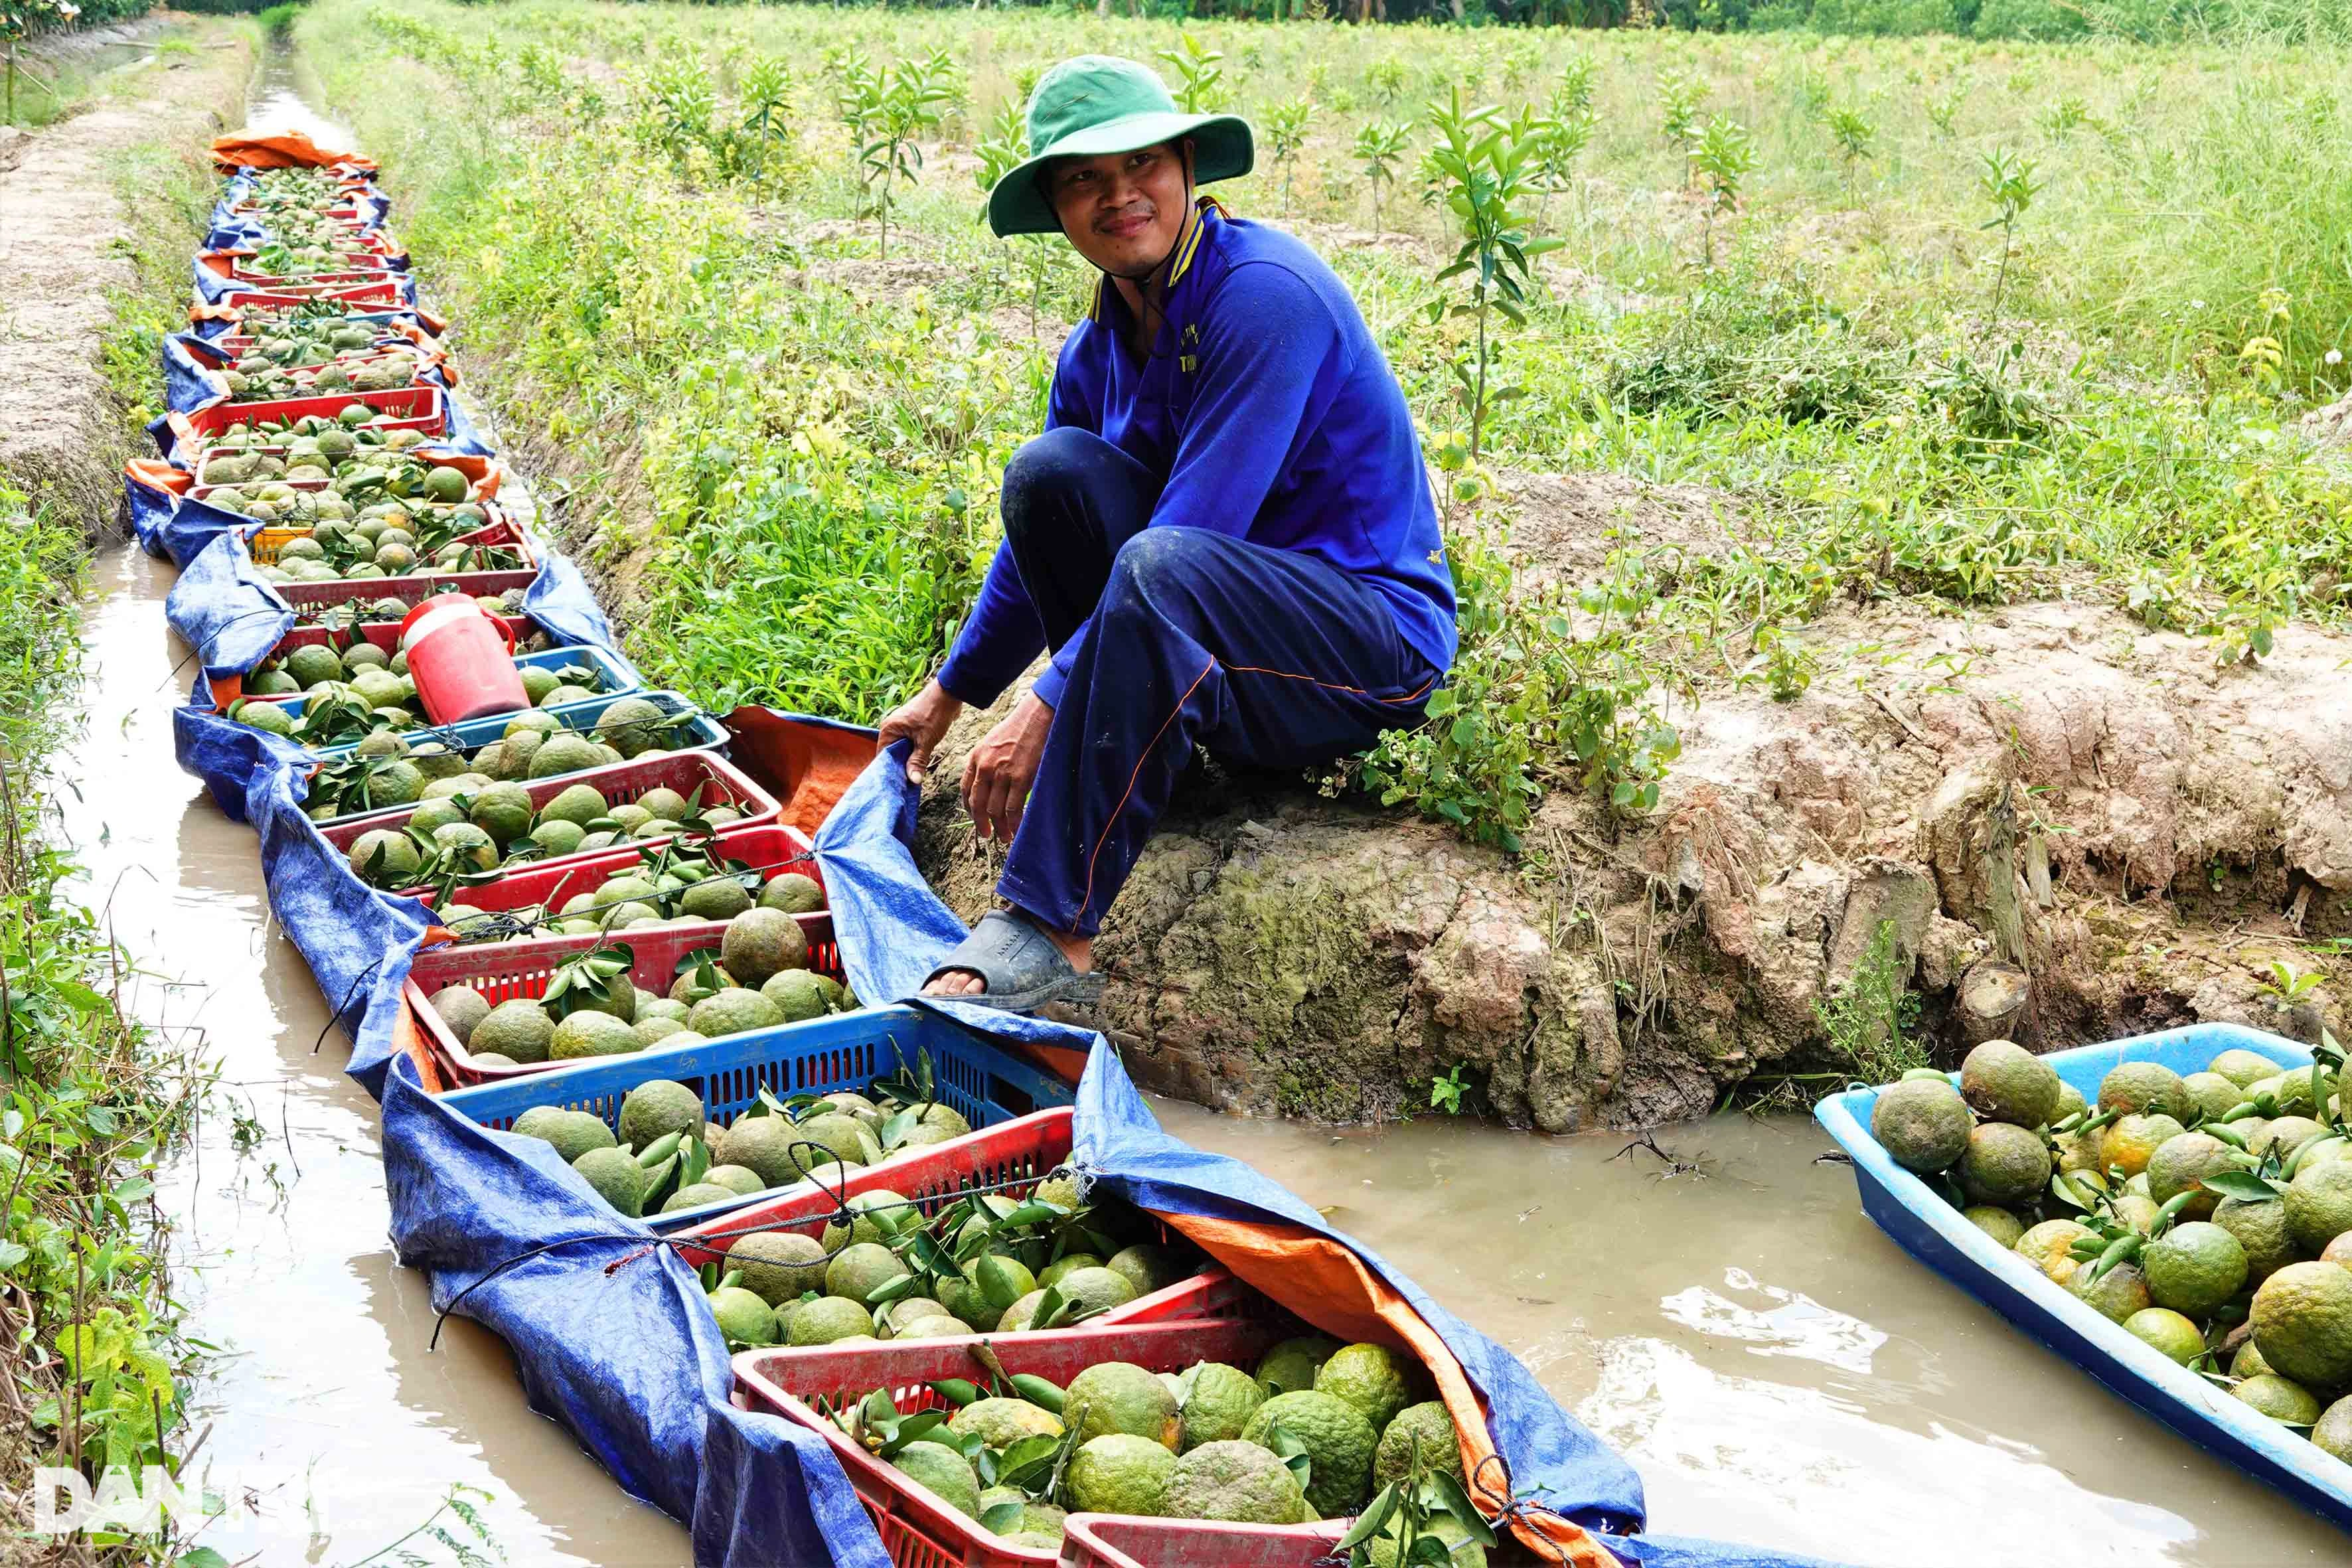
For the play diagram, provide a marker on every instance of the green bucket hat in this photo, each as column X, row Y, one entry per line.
column 1097, row 104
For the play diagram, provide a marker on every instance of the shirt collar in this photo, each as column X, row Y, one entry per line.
column 1188, row 246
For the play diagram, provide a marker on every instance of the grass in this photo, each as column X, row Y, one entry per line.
column 815, row 434
column 88, row 1100
column 91, row 1099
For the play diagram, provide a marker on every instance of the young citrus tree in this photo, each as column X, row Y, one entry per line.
column 1487, row 172
column 906, row 104
column 1286, row 135
column 1722, row 156
column 1379, row 145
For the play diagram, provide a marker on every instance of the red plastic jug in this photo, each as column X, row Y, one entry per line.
column 462, row 660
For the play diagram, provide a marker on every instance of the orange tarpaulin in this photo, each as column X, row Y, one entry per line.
column 806, row 766
column 159, row 475
column 407, row 1039
column 1330, row 1287
column 287, row 150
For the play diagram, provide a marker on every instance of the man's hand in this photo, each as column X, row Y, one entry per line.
column 997, row 775
column 923, row 718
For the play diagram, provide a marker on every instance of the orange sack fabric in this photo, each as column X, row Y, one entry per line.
column 288, row 150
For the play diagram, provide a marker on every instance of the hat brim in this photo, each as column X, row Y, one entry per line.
column 1222, row 149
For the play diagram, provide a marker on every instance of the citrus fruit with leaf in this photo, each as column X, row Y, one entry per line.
column 1338, row 1443
column 944, row 1471
column 2192, row 1268
column 1424, row 1431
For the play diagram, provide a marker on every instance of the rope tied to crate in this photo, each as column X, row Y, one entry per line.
column 1511, row 1509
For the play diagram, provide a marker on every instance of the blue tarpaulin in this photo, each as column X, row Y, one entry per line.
column 225, row 610
column 629, row 1359
column 893, row 930
column 462, row 435
column 175, row 527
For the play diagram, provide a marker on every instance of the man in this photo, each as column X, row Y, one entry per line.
column 1226, row 533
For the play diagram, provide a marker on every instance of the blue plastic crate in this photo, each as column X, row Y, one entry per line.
column 983, row 1081
column 1929, row 1228
column 615, row 673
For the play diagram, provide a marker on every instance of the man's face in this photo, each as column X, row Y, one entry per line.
column 1123, row 210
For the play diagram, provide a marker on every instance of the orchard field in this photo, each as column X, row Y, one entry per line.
column 1918, row 324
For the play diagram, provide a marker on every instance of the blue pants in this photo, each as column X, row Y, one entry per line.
column 1266, row 657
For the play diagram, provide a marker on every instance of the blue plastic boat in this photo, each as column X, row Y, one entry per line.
column 1929, row 1228
column 981, row 1080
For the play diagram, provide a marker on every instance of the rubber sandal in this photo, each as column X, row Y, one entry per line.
column 1019, row 964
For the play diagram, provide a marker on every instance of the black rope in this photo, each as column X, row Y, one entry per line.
column 1511, row 1509
column 204, row 643
column 337, row 1015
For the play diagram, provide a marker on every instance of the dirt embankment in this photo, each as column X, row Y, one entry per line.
column 65, row 257
column 2070, row 828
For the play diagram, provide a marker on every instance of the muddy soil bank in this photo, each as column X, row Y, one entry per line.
column 2068, row 827
column 64, row 256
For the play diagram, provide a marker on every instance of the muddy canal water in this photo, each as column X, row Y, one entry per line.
column 1777, row 1370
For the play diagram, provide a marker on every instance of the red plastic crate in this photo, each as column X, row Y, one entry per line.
column 416, row 585
column 360, row 268
column 1125, row 1541
column 918, row 1528
column 766, row 847
column 280, row 449
column 263, row 543
column 412, row 407
column 720, row 782
column 317, row 286
column 503, row 971
column 350, row 215
column 384, row 293
column 236, row 345
column 1026, row 1149
column 353, row 359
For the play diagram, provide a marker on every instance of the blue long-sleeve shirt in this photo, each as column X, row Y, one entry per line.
column 1270, row 413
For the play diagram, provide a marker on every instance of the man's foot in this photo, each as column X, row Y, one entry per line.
column 1078, row 952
